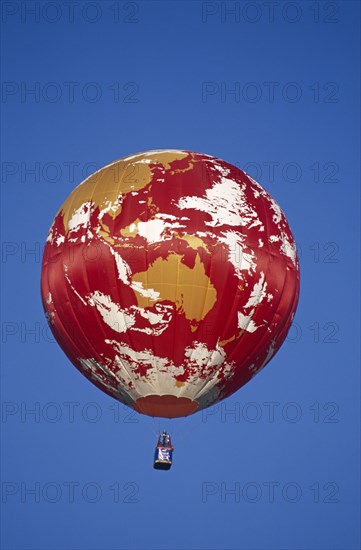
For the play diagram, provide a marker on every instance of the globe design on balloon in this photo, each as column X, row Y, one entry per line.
column 170, row 278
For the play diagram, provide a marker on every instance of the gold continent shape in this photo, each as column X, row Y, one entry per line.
column 105, row 187
column 189, row 288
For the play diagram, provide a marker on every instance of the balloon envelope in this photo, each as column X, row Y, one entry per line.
column 170, row 278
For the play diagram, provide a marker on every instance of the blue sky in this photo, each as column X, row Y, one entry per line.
column 276, row 466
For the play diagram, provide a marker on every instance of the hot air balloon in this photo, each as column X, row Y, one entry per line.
column 170, row 278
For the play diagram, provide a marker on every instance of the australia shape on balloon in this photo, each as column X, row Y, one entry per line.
column 170, row 278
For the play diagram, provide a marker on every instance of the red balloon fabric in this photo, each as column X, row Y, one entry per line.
column 170, row 278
